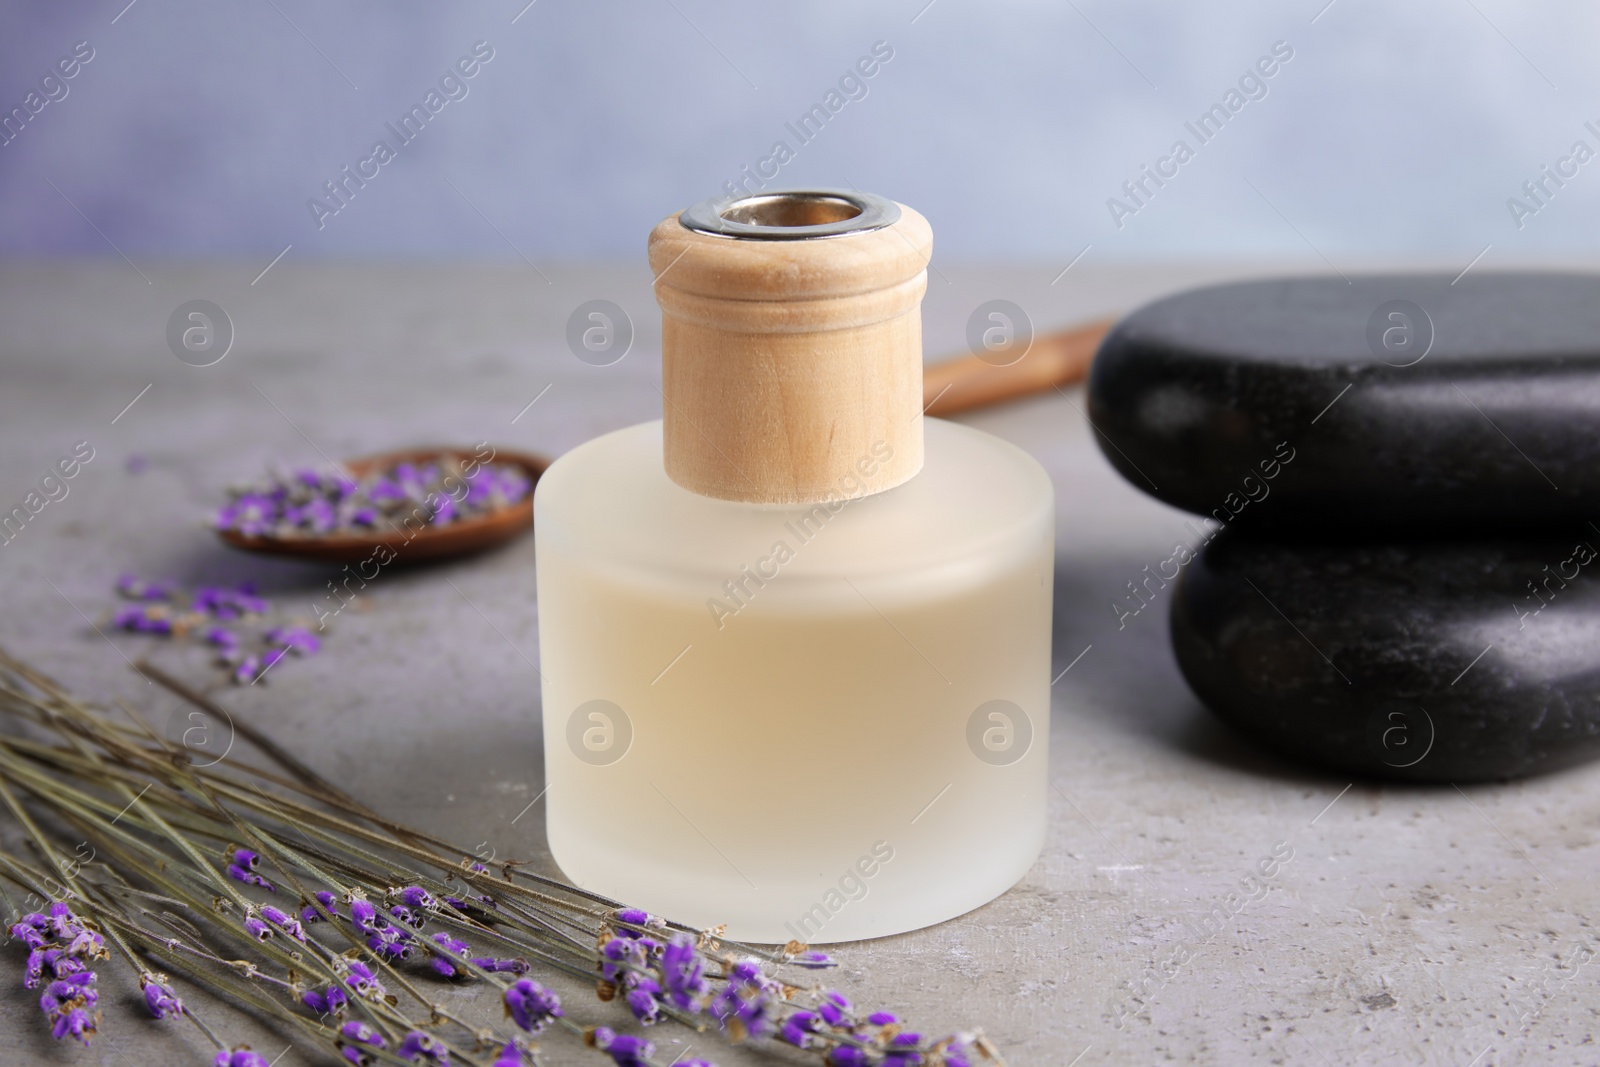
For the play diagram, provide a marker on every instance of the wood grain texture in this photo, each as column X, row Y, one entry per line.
column 786, row 364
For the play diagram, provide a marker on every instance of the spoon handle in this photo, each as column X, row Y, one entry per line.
column 1054, row 359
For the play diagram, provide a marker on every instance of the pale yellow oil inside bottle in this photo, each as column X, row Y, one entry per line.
column 814, row 725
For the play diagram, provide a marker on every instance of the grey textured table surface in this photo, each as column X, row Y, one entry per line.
column 1410, row 926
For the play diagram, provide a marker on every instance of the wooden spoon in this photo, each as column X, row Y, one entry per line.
column 431, row 542
column 1053, row 359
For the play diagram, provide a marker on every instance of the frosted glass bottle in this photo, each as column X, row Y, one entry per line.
column 816, row 720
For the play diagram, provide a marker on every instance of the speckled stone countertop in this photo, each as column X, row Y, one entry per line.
column 1401, row 925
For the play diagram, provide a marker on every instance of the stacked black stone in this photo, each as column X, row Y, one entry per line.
column 1401, row 477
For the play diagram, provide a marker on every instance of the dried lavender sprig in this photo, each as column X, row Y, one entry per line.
column 42, row 842
column 405, row 1026
column 477, row 926
column 420, row 854
column 902, row 1042
column 177, row 888
column 16, row 870
column 159, row 945
column 240, row 929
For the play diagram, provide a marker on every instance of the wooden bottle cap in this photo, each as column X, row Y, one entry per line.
column 792, row 345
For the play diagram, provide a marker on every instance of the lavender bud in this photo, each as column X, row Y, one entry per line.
column 799, row 1029
column 834, row 1009
column 356, row 1035
column 287, row 924
column 76, row 1023
column 240, row 1057
column 158, row 995
column 625, row 1050
column 421, row 1046
column 416, row 897
column 532, row 1006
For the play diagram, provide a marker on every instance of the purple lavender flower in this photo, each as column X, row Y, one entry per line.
column 242, row 868
column 882, row 1018
column 251, row 514
column 638, row 917
column 444, row 513
column 416, row 919
column 62, row 922
column 420, row 1046
column 226, row 604
column 957, row 1050
column 82, row 942
column 60, row 963
column 135, row 588
column 414, row 896
column 288, row 924
column 617, row 955
column 36, row 964
column 800, row 1029
column 363, row 982
column 748, row 1000
column 144, row 618
column 814, row 960
column 356, row 1036
column 511, row 966
column 363, row 915
column 451, row 945
column 846, row 1056
column 510, row 1056
column 330, row 1001
column 480, row 491
column 30, row 930
column 385, row 489
column 625, row 1050
column 87, row 943
column 513, row 486
column 835, row 1010
column 74, row 991
column 391, row 941
column 682, row 971
column 316, row 515
column 249, row 670
column 309, row 913
column 240, row 1057
column 532, row 1006
column 902, row 1051
column 258, row 929
column 222, row 638
column 158, row 995
column 69, row 1004
column 76, row 1022
column 644, row 1001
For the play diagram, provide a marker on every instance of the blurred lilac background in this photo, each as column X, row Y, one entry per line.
column 201, row 129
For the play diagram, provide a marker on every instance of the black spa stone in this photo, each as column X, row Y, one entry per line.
column 1425, row 661
column 1407, row 402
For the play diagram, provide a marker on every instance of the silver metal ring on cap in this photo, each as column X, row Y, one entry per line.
column 791, row 214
